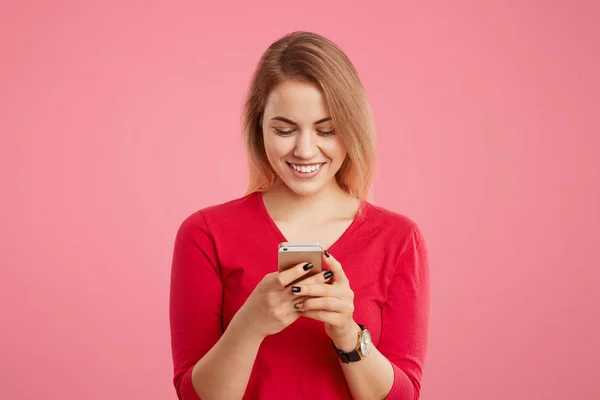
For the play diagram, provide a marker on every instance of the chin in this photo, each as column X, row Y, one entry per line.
column 305, row 189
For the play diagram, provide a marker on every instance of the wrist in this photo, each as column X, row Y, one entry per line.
column 347, row 342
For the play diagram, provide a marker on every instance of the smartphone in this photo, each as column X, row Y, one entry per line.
column 291, row 254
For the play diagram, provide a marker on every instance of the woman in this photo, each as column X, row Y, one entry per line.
column 238, row 329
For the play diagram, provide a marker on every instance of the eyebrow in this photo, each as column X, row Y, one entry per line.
column 289, row 121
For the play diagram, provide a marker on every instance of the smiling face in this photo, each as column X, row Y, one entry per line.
column 301, row 143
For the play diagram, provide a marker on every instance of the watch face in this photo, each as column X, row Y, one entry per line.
column 365, row 343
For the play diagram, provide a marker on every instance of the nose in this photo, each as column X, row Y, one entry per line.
column 306, row 146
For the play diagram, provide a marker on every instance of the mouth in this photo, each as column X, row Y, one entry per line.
column 305, row 170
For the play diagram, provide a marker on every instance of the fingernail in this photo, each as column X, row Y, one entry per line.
column 296, row 289
column 327, row 274
column 326, row 253
column 298, row 305
column 307, row 266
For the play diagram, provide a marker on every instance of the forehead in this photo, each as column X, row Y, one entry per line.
column 297, row 101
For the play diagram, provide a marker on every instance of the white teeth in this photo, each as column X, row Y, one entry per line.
column 306, row 168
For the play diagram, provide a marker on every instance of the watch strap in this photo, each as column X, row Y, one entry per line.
column 353, row 355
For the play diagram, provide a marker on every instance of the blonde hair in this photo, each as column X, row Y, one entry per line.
column 310, row 58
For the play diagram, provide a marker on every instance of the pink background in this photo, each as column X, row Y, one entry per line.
column 119, row 119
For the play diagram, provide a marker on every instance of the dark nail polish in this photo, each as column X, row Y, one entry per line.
column 327, row 274
column 326, row 253
column 296, row 289
column 307, row 266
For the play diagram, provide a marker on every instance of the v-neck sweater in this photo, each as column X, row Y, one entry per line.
column 223, row 251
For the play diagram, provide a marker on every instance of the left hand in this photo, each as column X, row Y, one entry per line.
column 331, row 303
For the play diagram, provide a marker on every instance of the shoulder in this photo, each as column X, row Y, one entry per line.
column 393, row 225
column 384, row 217
column 404, row 241
column 233, row 211
column 235, row 208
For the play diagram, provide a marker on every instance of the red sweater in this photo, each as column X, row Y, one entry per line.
column 222, row 252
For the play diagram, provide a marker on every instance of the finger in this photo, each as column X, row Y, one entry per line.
column 320, row 290
column 321, row 277
column 288, row 276
column 298, row 301
column 328, row 317
column 336, row 268
column 325, row 304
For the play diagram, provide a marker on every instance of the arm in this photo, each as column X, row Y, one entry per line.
column 208, row 363
column 224, row 371
column 393, row 370
column 405, row 319
column 371, row 377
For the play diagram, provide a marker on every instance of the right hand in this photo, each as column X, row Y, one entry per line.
column 270, row 307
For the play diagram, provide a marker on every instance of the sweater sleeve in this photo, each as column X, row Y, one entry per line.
column 195, row 301
column 405, row 318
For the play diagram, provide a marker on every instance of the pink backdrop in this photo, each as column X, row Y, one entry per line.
column 119, row 119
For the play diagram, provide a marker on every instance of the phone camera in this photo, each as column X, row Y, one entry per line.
column 284, row 249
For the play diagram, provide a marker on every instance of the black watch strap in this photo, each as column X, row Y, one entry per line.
column 349, row 357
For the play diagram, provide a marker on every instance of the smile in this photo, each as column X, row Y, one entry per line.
column 306, row 168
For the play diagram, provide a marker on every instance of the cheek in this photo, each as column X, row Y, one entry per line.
column 335, row 150
column 276, row 148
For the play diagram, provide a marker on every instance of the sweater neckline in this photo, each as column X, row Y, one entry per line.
column 355, row 222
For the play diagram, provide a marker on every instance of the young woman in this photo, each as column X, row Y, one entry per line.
column 358, row 330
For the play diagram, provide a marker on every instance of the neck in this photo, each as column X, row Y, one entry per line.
column 284, row 204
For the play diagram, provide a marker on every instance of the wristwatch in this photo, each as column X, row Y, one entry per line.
column 362, row 349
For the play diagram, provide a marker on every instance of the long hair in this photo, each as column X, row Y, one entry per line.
column 310, row 58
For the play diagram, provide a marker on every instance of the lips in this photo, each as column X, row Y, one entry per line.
column 305, row 171
column 306, row 168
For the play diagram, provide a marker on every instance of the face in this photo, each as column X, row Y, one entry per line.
column 301, row 143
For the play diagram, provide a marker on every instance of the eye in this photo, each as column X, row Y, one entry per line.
column 281, row 132
column 326, row 133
